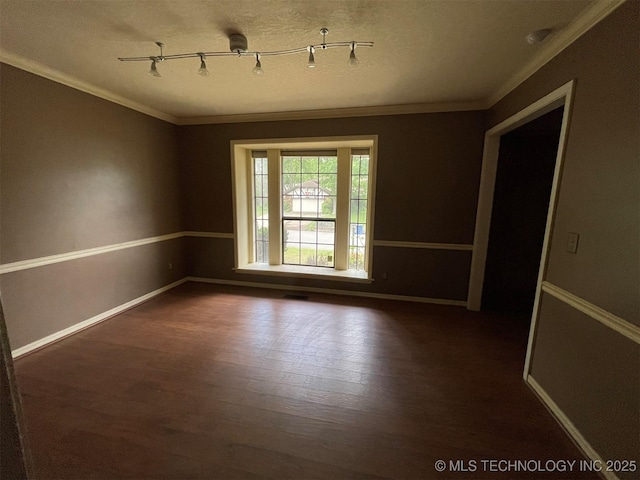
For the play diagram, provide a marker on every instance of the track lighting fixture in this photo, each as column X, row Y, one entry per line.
column 203, row 66
column 238, row 47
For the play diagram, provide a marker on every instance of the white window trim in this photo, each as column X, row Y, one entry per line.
column 242, row 186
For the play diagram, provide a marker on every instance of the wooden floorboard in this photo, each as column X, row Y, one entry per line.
column 222, row 382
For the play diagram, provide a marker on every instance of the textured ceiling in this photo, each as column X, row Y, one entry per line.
column 425, row 51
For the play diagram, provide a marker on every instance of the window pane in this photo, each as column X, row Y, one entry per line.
column 308, row 253
column 355, row 214
column 291, row 241
column 325, row 257
column 329, row 183
column 328, row 207
column 310, row 165
column 358, row 214
column 289, row 180
column 310, row 226
column 291, row 254
column 326, row 234
column 309, row 242
column 258, row 186
column 287, row 205
column 355, row 165
column 307, row 197
column 363, row 186
column 261, row 210
column 364, row 165
column 312, row 206
column 296, row 206
column 329, row 165
column 356, row 258
column 362, row 209
column 259, row 165
column 262, row 241
column 262, row 231
column 291, row 165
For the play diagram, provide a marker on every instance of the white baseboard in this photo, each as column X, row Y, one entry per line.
column 54, row 337
column 331, row 291
column 569, row 427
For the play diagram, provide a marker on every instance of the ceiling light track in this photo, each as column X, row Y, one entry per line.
column 238, row 48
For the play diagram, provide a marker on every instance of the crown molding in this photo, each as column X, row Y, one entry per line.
column 70, row 81
column 556, row 43
column 337, row 113
column 380, row 110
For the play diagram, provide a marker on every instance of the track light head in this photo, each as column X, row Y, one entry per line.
column 312, row 60
column 353, row 60
column 203, row 69
column 203, row 66
column 257, row 70
column 154, row 69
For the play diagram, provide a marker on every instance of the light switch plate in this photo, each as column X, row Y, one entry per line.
column 572, row 242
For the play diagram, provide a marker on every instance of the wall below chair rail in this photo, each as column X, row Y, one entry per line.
column 603, row 393
column 444, row 273
column 78, row 172
column 45, row 300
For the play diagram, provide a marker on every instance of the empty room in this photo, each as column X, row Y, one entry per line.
column 293, row 239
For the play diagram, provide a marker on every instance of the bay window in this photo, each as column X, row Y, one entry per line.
column 304, row 208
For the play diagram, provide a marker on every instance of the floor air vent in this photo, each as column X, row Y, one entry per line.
column 296, row 297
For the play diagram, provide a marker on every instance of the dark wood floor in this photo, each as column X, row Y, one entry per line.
column 222, row 382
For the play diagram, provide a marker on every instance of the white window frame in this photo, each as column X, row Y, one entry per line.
column 243, row 206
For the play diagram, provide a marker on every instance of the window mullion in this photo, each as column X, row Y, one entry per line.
column 342, row 210
column 275, row 207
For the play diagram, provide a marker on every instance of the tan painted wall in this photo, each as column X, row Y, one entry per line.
column 589, row 370
column 592, row 378
column 427, row 187
column 599, row 195
column 80, row 172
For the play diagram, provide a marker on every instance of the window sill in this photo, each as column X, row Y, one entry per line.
column 316, row 273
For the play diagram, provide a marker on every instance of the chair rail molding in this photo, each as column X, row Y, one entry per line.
column 620, row 325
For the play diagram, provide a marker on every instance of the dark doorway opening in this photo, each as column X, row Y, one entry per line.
column 526, row 163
